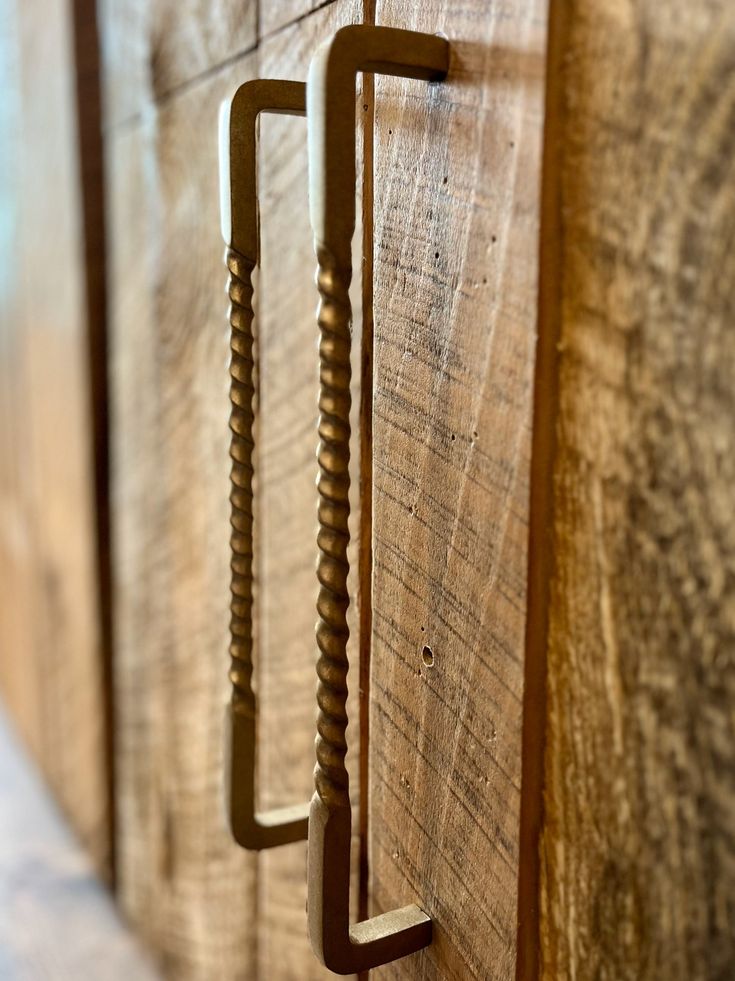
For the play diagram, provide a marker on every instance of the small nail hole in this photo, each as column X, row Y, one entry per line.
column 436, row 255
column 427, row 656
column 445, row 180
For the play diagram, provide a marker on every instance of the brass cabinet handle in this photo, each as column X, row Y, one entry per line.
column 343, row 948
column 238, row 162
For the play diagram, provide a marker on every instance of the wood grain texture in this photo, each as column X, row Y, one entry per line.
column 50, row 661
column 455, row 250
column 207, row 908
column 274, row 15
column 150, row 49
column 637, row 856
column 57, row 921
column 287, row 500
column 455, row 240
column 184, row 883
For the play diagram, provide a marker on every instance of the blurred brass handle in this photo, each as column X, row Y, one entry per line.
column 238, row 162
column 343, row 948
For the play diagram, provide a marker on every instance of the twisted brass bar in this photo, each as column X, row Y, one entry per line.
column 240, row 228
column 242, row 392
column 330, row 775
column 343, row 948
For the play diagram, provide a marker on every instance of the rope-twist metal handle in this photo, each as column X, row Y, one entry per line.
column 331, row 778
column 343, row 948
column 242, row 392
column 238, row 157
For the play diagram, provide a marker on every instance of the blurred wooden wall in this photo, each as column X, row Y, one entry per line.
column 52, row 629
column 629, row 775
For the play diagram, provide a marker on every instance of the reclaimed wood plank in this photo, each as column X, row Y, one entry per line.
column 274, row 15
column 633, row 606
column 456, row 263
column 151, row 49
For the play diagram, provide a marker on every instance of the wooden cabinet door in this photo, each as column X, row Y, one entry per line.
column 207, row 908
column 633, row 578
column 440, row 473
column 456, row 223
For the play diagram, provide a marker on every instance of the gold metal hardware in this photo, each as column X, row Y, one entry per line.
column 238, row 161
column 343, row 948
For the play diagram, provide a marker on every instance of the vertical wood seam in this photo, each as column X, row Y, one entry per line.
column 540, row 555
column 88, row 98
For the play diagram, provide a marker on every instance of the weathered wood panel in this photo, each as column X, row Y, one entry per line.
column 50, row 659
column 151, row 49
column 188, row 888
column 287, row 500
column 637, row 856
column 277, row 14
column 455, row 251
